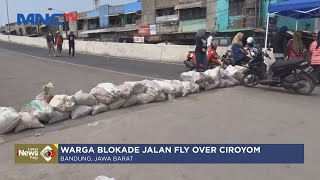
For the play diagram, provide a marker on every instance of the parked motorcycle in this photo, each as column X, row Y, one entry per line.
column 293, row 75
column 212, row 59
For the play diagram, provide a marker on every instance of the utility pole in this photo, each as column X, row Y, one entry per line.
column 8, row 20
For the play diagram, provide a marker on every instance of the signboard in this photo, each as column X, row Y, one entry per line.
column 153, row 29
column 154, row 38
column 144, row 30
column 138, row 39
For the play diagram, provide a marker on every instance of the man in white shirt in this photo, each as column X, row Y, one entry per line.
column 210, row 39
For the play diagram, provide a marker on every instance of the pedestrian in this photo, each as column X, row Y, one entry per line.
column 315, row 54
column 201, row 50
column 280, row 44
column 50, row 42
column 210, row 39
column 71, row 39
column 59, row 42
column 296, row 48
column 239, row 54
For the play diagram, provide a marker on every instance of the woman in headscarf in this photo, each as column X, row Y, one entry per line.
column 201, row 50
column 315, row 54
column 239, row 55
column 296, row 48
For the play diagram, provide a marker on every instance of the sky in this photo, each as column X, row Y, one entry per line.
column 41, row 6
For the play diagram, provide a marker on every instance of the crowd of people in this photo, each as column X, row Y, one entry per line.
column 284, row 48
column 57, row 41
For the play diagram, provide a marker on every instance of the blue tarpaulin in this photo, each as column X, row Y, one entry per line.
column 298, row 9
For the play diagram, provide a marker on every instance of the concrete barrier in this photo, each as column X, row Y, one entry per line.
column 160, row 53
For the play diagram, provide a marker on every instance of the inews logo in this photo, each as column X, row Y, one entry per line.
column 36, row 153
column 34, row 19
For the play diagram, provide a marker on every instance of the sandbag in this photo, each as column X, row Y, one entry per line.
column 126, row 90
column 198, row 78
column 117, row 104
column 213, row 74
column 80, row 111
column 212, row 86
column 235, row 72
column 162, row 97
column 58, row 116
column 40, row 109
column 110, row 88
column 189, row 87
column 28, row 121
column 165, row 86
column 9, row 119
column 133, row 100
column 138, row 87
column 82, row 98
column 151, row 93
column 177, row 87
column 225, row 83
column 224, row 74
column 187, row 76
column 235, row 81
column 102, row 95
column 99, row 108
column 46, row 94
column 63, row 103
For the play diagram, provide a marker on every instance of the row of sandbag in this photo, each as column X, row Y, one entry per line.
column 103, row 97
column 215, row 78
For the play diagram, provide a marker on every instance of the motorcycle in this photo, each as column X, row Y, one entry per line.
column 293, row 75
column 212, row 59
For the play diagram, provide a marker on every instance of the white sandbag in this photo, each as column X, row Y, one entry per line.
column 117, row 104
column 187, row 76
column 102, row 95
column 40, row 109
column 225, row 83
column 9, row 119
column 80, row 111
column 224, row 74
column 133, row 100
column 235, row 82
column 177, row 87
column 189, row 87
column 110, row 88
column 161, row 97
column 58, row 116
column 28, row 121
column 63, row 103
column 99, row 108
column 212, row 86
column 138, row 87
column 165, row 86
column 235, row 72
column 229, row 83
column 214, row 74
column 198, row 77
column 82, row 98
column 126, row 90
column 46, row 94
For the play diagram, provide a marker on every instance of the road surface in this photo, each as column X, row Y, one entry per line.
column 232, row 115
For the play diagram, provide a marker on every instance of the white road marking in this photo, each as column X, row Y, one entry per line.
column 117, row 72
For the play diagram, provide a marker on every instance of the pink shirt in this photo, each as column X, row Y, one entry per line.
column 315, row 53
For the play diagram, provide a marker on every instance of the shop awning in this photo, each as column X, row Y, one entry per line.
column 197, row 4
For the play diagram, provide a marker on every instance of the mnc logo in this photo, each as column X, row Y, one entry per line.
column 36, row 18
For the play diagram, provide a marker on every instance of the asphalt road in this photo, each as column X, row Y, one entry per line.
column 236, row 115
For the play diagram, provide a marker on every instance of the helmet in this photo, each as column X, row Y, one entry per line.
column 250, row 40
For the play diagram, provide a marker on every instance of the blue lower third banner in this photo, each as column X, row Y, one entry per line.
column 160, row 153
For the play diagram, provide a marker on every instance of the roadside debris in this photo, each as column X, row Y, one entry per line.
column 48, row 108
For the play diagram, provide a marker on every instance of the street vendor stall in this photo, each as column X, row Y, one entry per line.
column 297, row 9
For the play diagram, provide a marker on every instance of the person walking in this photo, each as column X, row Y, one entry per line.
column 201, row 50
column 296, row 48
column 280, row 44
column 71, row 39
column 50, row 43
column 315, row 55
column 59, row 42
column 239, row 54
